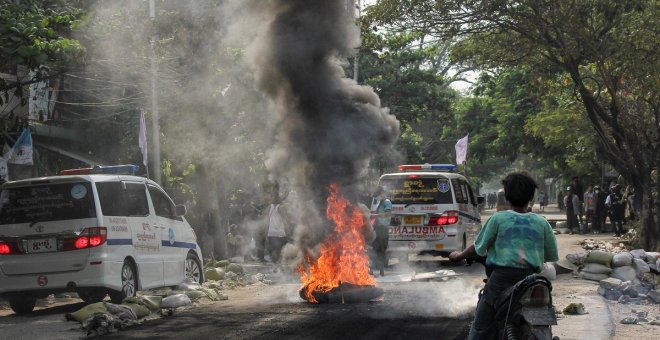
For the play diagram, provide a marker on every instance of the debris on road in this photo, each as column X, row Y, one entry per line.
column 575, row 309
column 104, row 317
column 175, row 301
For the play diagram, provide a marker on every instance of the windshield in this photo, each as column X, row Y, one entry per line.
column 418, row 190
column 49, row 202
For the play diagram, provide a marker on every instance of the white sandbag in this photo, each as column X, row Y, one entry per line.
column 188, row 285
column 593, row 277
column 176, row 300
column 638, row 253
column 641, row 267
column 596, row 268
column 622, row 259
column 576, row 259
column 549, row 271
column 651, row 256
column 625, row 273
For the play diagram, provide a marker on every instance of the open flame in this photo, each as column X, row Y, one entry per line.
column 343, row 257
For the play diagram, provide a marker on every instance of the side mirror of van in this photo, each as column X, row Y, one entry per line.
column 180, row 210
column 480, row 200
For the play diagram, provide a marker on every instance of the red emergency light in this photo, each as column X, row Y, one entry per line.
column 427, row 167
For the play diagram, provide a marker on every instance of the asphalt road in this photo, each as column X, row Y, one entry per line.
column 411, row 310
column 440, row 306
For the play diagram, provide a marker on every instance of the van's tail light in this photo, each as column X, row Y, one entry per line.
column 536, row 296
column 448, row 217
column 88, row 238
column 9, row 248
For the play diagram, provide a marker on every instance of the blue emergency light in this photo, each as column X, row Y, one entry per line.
column 427, row 167
column 127, row 169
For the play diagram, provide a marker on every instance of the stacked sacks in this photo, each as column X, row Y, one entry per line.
column 628, row 277
column 622, row 267
column 597, row 266
column 224, row 275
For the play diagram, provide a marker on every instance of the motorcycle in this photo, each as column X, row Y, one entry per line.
column 525, row 310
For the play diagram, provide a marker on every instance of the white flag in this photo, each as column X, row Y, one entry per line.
column 4, row 172
column 461, row 150
column 142, row 138
column 21, row 152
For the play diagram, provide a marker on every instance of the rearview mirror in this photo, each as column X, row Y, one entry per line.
column 180, row 210
column 480, row 200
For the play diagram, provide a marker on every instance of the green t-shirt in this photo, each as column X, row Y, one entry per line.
column 515, row 240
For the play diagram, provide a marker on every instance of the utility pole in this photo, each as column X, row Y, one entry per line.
column 155, row 125
column 357, row 12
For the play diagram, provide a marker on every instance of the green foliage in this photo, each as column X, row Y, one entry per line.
column 607, row 48
column 408, row 75
column 33, row 33
column 177, row 182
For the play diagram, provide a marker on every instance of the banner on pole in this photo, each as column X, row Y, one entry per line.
column 21, row 152
column 461, row 150
column 142, row 138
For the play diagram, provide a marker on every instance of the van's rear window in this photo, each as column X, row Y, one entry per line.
column 127, row 199
column 48, row 202
column 418, row 190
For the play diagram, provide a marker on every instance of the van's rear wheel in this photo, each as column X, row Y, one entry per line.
column 22, row 303
column 128, row 283
column 193, row 269
column 92, row 295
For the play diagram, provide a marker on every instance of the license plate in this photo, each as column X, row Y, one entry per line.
column 439, row 246
column 42, row 245
column 412, row 219
column 542, row 316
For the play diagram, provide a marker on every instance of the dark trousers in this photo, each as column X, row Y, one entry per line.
column 380, row 247
column 598, row 219
column 589, row 218
column 275, row 245
column 618, row 226
column 484, row 326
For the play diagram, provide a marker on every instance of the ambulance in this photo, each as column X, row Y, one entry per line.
column 433, row 208
column 93, row 231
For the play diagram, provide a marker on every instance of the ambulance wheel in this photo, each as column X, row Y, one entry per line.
column 129, row 283
column 22, row 303
column 92, row 295
column 193, row 269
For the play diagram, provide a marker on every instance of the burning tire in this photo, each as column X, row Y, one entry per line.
column 345, row 293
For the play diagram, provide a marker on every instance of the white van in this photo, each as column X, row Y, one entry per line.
column 432, row 209
column 94, row 231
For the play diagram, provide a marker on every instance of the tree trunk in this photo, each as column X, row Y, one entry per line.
column 219, row 228
column 650, row 210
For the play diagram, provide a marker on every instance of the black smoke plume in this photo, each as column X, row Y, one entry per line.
column 328, row 127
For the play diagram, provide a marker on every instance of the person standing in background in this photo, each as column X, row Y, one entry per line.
column 615, row 202
column 572, row 210
column 578, row 190
column 590, row 208
column 381, row 217
column 599, row 213
column 276, row 228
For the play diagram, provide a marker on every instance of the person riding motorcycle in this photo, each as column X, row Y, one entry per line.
column 515, row 243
